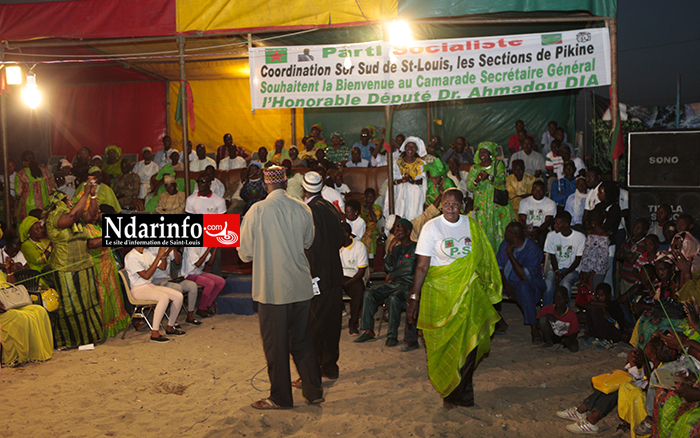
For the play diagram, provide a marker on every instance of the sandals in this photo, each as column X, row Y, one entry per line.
column 266, row 403
column 175, row 332
column 296, row 383
column 203, row 313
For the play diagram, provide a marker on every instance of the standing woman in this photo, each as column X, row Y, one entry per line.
column 456, row 285
column 33, row 183
column 114, row 316
column 486, row 175
column 410, row 183
column 79, row 319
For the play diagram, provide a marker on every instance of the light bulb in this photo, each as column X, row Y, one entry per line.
column 30, row 93
column 348, row 62
column 399, row 32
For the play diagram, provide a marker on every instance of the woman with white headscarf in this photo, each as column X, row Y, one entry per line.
column 410, row 182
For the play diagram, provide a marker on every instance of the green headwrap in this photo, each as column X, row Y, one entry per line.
column 337, row 134
column 116, row 149
column 437, row 169
column 55, row 199
column 489, row 146
column 25, row 226
column 94, row 169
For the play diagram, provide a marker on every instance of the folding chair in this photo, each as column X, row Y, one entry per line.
column 142, row 309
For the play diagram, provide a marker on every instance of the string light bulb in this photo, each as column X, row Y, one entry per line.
column 30, row 93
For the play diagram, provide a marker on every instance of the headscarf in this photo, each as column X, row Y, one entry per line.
column 255, row 163
column 317, row 125
column 406, row 223
column 114, row 169
column 94, row 169
column 373, row 132
column 489, row 146
column 418, row 142
column 436, row 168
column 24, row 227
column 337, row 134
column 56, row 199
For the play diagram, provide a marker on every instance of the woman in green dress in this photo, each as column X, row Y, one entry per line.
column 113, row 165
column 486, row 175
column 36, row 247
column 79, row 319
column 33, row 183
column 114, row 316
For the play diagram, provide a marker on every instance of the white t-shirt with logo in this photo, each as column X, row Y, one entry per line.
column 359, row 226
column 135, row 262
column 443, row 241
column 565, row 248
column 536, row 211
column 353, row 258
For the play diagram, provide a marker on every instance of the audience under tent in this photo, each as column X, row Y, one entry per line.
column 553, row 234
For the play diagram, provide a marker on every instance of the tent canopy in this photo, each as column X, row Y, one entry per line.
column 142, row 35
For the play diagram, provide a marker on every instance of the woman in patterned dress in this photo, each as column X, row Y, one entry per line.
column 486, row 175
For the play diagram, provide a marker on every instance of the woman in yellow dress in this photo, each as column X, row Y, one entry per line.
column 25, row 333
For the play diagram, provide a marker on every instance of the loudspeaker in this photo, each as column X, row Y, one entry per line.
column 668, row 159
column 644, row 202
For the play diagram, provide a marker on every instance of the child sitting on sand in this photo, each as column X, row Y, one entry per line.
column 557, row 323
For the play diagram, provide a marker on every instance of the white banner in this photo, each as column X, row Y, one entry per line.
column 378, row 73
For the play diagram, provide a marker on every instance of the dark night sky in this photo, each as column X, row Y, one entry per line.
column 657, row 40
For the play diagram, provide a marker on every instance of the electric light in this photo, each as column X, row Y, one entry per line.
column 399, row 32
column 13, row 73
column 30, row 93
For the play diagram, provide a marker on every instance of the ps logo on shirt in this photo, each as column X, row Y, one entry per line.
column 455, row 248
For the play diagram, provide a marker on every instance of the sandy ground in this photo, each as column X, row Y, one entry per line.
column 201, row 385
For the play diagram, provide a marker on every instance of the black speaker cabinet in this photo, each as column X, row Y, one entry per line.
column 644, row 202
column 669, row 159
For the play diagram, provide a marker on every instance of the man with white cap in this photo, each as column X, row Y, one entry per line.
column 145, row 169
column 326, row 318
column 274, row 235
column 329, row 193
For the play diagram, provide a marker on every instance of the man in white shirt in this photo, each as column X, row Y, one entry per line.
column 202, row 161
column 564, row 247
column 536, row 213
column 145, row 169
column 329, row 193
column 162, row 277
column 352, row 217
column 162, row 158
column 356, row 159
column 353, row 257
column 233, row 161
column 205, row 201
column 534, row 161
column 216, row 185
column 190, row 153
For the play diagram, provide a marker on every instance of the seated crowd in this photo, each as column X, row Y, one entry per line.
column 556, row 230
